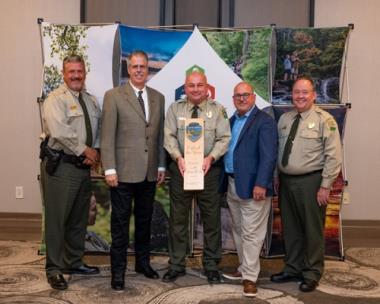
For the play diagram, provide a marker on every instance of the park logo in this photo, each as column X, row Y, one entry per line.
column 194, row 131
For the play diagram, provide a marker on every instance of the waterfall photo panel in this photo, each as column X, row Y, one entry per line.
column 316, row 52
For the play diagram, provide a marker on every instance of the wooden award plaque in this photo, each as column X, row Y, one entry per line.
column 194, row 154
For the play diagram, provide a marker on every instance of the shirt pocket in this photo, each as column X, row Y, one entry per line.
column 282, row 137
column 181, row 123
column 74, row 114
column 310, row 139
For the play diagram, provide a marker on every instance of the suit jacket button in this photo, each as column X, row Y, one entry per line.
column 146, row 150
column 147, row 125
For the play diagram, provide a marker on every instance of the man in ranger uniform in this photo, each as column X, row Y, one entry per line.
column 71, row 122
column 216, row 140
column 309, row 160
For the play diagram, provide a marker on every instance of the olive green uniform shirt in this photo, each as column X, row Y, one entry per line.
column 216, row 129
column 316, row 146
column 64, row 122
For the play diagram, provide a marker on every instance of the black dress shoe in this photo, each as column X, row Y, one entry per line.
column 147, row 271
column 213, row 276
column 57, row 282
column 84, row 269
column 283, row 277
column 307, row 286
column 117, row 282
column 172, row 275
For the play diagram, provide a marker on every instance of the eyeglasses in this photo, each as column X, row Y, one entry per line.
column 243, row 96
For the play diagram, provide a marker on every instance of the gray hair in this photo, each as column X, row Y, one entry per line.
column 73, row 58
column 137, row 53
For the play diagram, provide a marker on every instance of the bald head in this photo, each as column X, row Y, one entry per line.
column 196, row 87
column 243, row 98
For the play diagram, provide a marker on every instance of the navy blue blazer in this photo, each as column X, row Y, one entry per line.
column 255, row 155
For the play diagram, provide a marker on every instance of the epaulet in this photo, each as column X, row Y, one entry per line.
column 318, row 109
column 213, row 102
column 61, row 89
column 326, row 115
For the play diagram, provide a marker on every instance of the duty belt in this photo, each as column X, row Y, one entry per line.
column 75, row 160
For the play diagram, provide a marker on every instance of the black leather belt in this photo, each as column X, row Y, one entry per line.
column 302, row 175
column 75, row 160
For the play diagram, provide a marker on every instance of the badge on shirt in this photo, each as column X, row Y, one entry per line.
column 73, row 107
column 311, row 125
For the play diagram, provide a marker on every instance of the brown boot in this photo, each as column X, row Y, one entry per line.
column 250, row 289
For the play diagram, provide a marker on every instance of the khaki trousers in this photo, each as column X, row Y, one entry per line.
column 249, row 227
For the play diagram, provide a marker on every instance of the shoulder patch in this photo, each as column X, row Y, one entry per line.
column 331, row 124
column 224, row 113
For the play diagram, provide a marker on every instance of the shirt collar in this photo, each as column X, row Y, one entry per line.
column 136, row 89
column 201, row 106
column 237, row 116
column 305, row 114
column 75, row 93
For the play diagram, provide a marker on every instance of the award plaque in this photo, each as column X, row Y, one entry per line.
column 194, row 154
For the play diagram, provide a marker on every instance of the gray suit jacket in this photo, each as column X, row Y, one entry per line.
column 129, row 143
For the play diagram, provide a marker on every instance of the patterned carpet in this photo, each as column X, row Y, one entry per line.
column 22, row 280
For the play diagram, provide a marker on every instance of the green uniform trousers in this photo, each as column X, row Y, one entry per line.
column 67, row 196
column 303, row 225
column 180, row 207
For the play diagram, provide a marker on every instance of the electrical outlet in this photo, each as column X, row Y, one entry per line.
column 19, row 192
column 346, row 197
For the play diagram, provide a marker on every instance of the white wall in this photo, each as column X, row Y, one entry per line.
column 20, row 85
column 362, row 135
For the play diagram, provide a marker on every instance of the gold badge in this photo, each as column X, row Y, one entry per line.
column 73, row 107
column 209, row 114
column 311, row 125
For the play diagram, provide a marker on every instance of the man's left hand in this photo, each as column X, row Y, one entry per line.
column 259, row 193
column 207, row 162
column 160, row 177
column 92, row 156
column 323, row 196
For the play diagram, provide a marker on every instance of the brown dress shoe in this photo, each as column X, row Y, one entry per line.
column 250, row 289
column 234, row 276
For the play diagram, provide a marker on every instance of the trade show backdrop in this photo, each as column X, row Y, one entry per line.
column 226, row 57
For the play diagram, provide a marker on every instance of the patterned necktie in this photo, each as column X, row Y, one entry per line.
column 141, row 101
column 87, row 121
column 289, row 141
column 194, row 114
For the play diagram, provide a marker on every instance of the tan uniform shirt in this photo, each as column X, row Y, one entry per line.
column 64, row 122
column 217, row 128
column 316, row 146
